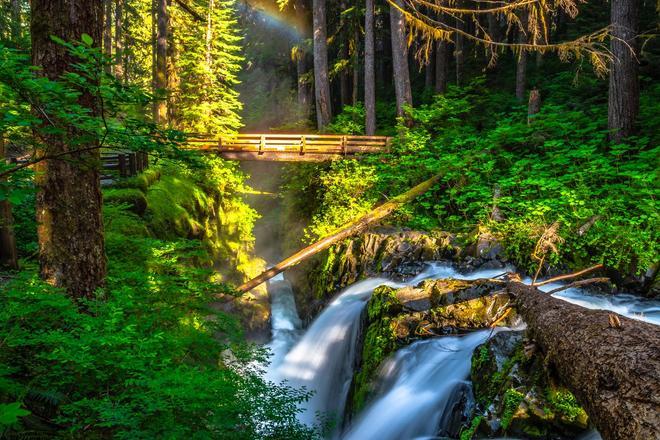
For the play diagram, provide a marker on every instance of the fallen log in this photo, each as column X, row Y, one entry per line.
column 611, row 363
column 353, row 228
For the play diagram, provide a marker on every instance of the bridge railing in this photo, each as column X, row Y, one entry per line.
column 251, row 146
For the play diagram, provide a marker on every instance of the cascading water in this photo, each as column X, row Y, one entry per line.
column 419, row 380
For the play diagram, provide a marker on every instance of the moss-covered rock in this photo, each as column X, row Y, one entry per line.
column 133, row 197
column 516, row 395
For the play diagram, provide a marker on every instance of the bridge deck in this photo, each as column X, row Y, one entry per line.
column 290, row 147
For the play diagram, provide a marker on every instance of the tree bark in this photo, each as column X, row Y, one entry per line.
column 344, row 90
column 16, row 22
column 8, row 252
column 521, row 66
column 623, row 105
column 107, row 33
column 304, row 88
column 356, row 67
column 441, row 67
column 429, row 72
column 370, row 68
column 160, row 80
column 69, row 222
column 352, row 228
column 533, row 105
column 400, row 60
column 613, row 370
column 321, row 80
column 459, row 50
column 119, row 42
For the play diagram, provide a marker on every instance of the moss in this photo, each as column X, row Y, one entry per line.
column 467, row 434
column 142, row 181
column 564, row 403
column 481, row 356
column 379, row 342
column 133, row 197
column 512, row 399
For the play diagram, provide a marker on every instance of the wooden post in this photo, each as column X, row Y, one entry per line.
column 349, row 230
column 8, row 251
column 303, row 144
column 132, row 166
column 121, row 164
column 262, row 144
column 343, row 145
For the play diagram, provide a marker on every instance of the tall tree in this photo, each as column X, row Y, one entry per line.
column 459, row 49
column 370, row 68
column 300, row 55
column 107, row 32
column 400, row 59
column 624, row 82
column 160, row 79
column 344, row 87
column 70, row 227
column 521, row 65
column 321, row 79
column 8, row 252
column 441, row 67
column 119, row 39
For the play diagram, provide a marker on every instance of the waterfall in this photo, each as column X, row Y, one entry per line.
column 417, row 382
column 421, row 380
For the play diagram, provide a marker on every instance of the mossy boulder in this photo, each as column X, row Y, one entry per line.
column 133, row 197
column 397, row 317
column 517, row 395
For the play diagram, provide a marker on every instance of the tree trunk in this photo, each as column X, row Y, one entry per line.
column 429, row 72
column 16, row 22
column 624, row 83
column 400, row 60
column 160, row 80
column 459, row 50
column 8, row 252
column 353, row 228
column 70, row 226
column 521, row 67
column 119, row 42
column 356, row 67
column 107, row 33
column 611, row 363
column 303, row 86
column 321, row 80
column 344, row 91
column 369, row 68
column 441, row 67
column 533, row 105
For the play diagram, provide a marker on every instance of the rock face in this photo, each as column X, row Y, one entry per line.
column 517, row 395
column 395, row 253
column 397, row 317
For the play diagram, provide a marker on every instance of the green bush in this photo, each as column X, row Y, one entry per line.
column 132, row 197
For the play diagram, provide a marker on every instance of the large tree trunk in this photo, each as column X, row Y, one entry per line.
column 356, row 67
column 400, row 59
column 119, row 42
column 70, row 227
column 8, row 252
column 429, row 72
column 611, row 363
column 344, row 85
column 16, row 22
column 160, row 80
column 304, row 88
column 521, row 67
column 624, row 83
column 459, row 50
column 370, row 68
column 321, row 80
column 107, row 32
column 441, row 67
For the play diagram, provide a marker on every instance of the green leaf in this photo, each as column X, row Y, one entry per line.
column 10, row 412
column 87, row 40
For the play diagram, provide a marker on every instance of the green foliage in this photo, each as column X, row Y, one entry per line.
column 131, row 196
column 468, row 434
column 207, row 62
column 512, row 399
column 148, row 358
column 563, row 402
column 349, row 121
column 560, row 168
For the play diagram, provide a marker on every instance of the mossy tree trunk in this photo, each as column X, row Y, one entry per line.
column 611, row 363
column 70, row 227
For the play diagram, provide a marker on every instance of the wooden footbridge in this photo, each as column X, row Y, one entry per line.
column 290, row 147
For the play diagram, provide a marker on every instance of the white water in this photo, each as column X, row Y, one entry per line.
column 421, row 377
